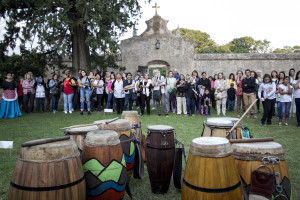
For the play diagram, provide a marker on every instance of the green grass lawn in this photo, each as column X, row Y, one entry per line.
column 35, row 126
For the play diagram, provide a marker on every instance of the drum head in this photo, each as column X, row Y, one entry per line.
column 218, row 122
column 257, row 150
column 102, row 138
column 48, row 152
column 117, row 125
column 80, row 129
column 211, row 147
column 129, row 113
column 160, row 128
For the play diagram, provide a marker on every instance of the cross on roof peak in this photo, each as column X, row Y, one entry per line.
column 156, row 6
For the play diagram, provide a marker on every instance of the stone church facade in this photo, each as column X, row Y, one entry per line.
column 158, row 47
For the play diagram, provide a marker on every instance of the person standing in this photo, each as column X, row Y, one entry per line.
column 158, row 84
column 231, row 79
column 278, row 82
column 207, row 102
column 98, row 84
column 110, row 93
column 54, row 92
column 68, row 92
column 9, row 107
column 293, row 106
column 202, row 84
column 286, row 91
column 28, row 93
column 212, row 91
column 248, row 85
column 129, row 90
column 221, row 93
column 146, row 86
column 180, row 95
column 239, row 93
column 85, row 92
column 231, row 92
column 40, row 94
column 191, row 96
column 296, row 85
column 119, row 94
column 20, row 91
column 259, row 82
column 170, row 85
column 268, row 88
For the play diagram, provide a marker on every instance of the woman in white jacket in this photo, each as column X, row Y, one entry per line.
column 268, row 87
column 221, row 93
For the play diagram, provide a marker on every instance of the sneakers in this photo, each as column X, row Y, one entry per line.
column 153, row 108
column 193, row 115
column 70, row 111
column 187, row 116
column 66, row 112
column 166, row 115
column 204, row 115
column 255, row 117
column 286, row 124
column 238, row 115
column 279, row 124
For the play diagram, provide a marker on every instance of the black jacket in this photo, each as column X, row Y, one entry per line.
column 205, row 83
column 248, row 85
column 189, row 91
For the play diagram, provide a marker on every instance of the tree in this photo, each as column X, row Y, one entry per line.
column 70, row 27
column 287, row 49
column 249, row 45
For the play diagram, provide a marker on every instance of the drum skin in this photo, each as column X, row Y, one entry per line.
column 160, row 153
column 48, row 171
column 210, row 172
column 123, row 128
column 104, row 166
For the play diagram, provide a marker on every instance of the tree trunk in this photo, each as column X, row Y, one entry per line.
column 80, row 51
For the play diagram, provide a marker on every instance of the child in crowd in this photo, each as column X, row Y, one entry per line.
column 231, row 96
column 40, row 94
column 201, row 90
column 286, row 91
column 207, row 103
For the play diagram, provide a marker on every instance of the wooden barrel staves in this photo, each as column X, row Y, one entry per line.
column 160, row 153
column 48, row 170
column 217, row 127
column 123, row 128
column 104, row 166
column 210, row 172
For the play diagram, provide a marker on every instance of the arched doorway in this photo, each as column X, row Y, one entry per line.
column 161, row 65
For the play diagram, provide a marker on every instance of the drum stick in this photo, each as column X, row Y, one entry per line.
column 112, row 120
column 78, row 126
column 235, row 125
column 251, row 140
column 44, row 141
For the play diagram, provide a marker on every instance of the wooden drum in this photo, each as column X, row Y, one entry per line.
column 123, row 128
column 210, row 172
column 136, row 124
column 217, row 127
column 48, row 170
column 160, row 153
column 104, row 166
column 249, row 156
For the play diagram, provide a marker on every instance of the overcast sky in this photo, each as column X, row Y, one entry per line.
column 274, row 20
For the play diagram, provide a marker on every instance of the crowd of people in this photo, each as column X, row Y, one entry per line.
column 178, row 93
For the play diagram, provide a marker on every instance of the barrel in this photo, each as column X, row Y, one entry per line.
column 218, row 127
column 160, row 153
column 123, row 128
column 249, row 156
column 136, row 124
column 104, row 166
column 48, row 170
column 210, row 171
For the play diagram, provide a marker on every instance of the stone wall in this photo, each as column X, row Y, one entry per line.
column 227, row 63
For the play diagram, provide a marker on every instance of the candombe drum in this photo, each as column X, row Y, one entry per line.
column 160, row 153
column 210, row 171
column 217, row 127
column 78, row 134
column 249, row 156
column 48, row 169
column 238, row 130
column 135, row 122
column 123, row 128
column 104, row 166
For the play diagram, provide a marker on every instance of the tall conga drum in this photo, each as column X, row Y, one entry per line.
column 210, row 172
column 48, row 169
column 104, row 166
column 78, row 134
column 249, row 156
column 217, row 127
column 160, row 153
column 136, row 124
column 123, row 128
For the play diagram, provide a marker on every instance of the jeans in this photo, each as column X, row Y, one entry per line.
column 285, row 108
column 154, row 104
column 269, row 105
column 279, row 109
column 168, row 101
column 85, row 94
column 246, row 98
column 28, row 98
column 128, row 99
column 68, row 102
column 55, row 100
column 190, row 105
column 231, row 104
column 200, row 106
column 40, row 102
column 297, row 102
column 109, row 97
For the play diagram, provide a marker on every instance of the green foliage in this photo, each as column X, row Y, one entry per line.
column 163, row 71
column 287, row 49
column 249, row 45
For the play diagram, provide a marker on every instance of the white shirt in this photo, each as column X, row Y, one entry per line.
column 269, row 90
column 170, row 83
column 160, row 80
column 296, row 91
column 285, row 97
column 221, row 84
column 98, row 83
column 119, row 90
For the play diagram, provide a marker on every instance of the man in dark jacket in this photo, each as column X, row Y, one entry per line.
column 248, row 85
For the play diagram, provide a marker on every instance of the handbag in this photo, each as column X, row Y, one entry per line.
column 218, row 96
column 55, row 91
column 93, row 93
